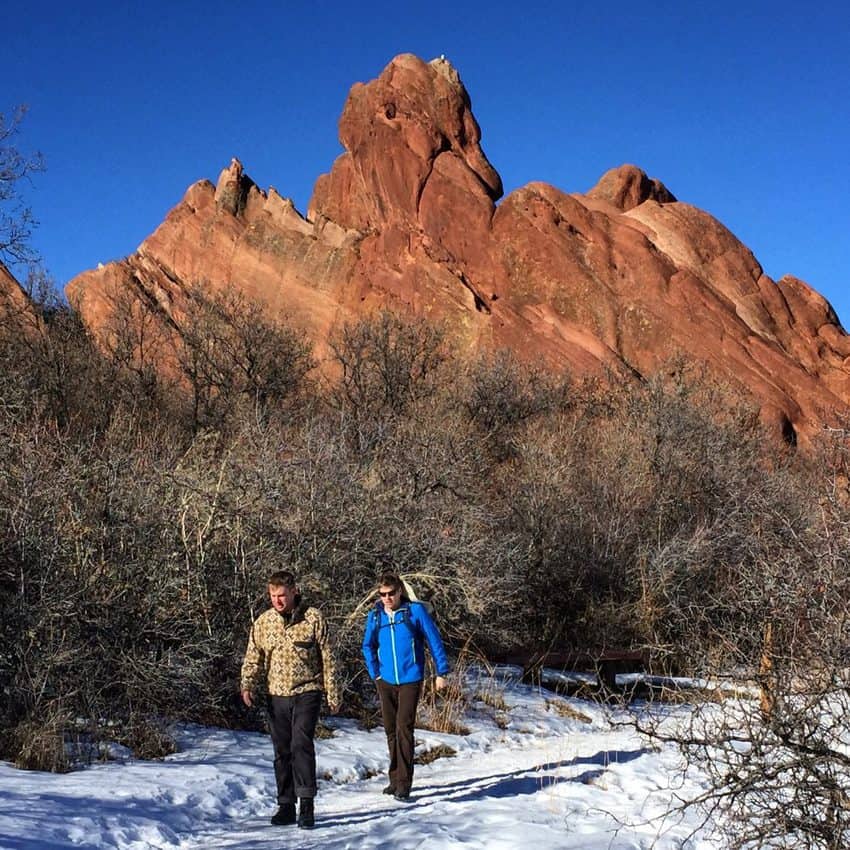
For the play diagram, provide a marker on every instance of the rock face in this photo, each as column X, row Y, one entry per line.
column 17, row 314
column 624, row 277
column 10, row 289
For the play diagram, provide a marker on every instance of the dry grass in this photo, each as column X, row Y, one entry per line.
column 492, row 697
column 501, row 721
column 148, row 739
column 689, row 695
column 564, row 709
column 443, row 715
column 39, row 746
column 324, row 732
column 368, row 716
column 442, row 711
column 441, row 751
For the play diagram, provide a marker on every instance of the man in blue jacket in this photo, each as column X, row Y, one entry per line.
column 394, row 648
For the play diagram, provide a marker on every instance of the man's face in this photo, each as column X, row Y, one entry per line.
column 283, row 598
column 390, row 596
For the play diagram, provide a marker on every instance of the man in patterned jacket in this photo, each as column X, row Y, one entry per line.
column 289, row 655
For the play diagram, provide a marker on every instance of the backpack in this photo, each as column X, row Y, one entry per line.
column 425, row 603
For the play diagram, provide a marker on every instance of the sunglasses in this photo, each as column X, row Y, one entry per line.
column 387, row 593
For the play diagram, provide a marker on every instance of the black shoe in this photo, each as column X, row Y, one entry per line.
column 401, row 795
column 285, row 815
column 390, row 789
column 305, row 813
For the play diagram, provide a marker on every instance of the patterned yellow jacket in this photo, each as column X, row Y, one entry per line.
column 290, row 655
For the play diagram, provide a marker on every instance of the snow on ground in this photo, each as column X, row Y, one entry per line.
column 525, row 775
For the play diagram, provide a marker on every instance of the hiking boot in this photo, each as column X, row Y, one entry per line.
column 390, row 789
column 402, row 794
column 305, row 813
column 285, row 815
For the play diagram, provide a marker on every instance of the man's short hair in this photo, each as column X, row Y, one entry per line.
column 390, row 579
column 282, row 578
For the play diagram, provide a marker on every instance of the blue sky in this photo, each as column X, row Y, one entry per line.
column 742, row 109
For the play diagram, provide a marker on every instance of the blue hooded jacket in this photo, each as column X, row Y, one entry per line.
column 395, row 649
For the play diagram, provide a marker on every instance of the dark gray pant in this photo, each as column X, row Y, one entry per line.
column 292, row 723
column 398, row 709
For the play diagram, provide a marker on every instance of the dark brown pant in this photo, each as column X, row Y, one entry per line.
column 292, row 723
column 398, row 709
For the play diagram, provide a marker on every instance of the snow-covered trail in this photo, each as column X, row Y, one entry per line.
column 533, row 770
column 532, row 793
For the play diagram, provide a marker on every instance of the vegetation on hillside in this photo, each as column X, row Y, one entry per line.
column 150, row 480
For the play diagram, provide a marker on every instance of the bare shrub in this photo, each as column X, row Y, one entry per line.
column 528, row 511
column 232, row 356
column 775, row 750
column 53, row 369
column 384, row 363
column 500, row 395
column 38, row 744
column 136, row 630
column 146, row 737
column 140, row 346
column 600, row 489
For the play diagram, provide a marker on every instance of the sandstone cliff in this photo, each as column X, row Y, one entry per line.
column 17, row 314
column 624, row 277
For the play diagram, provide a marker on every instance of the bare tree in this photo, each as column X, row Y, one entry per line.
column 16, row 218
column 233, row 354
column 385, row 363
column 502, row 395
column 139, row 345
column 772, row 631
column 53, row 368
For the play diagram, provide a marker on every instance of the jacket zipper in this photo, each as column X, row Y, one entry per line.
column 392, row 641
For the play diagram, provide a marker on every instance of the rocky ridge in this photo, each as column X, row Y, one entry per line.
column 625, row 277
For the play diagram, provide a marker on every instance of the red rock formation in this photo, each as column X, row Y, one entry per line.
column 625, row 276
column 10, row 289
column 17, row 314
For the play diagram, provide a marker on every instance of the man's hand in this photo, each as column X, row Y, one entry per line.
column 247, row 699
column 440, row 683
